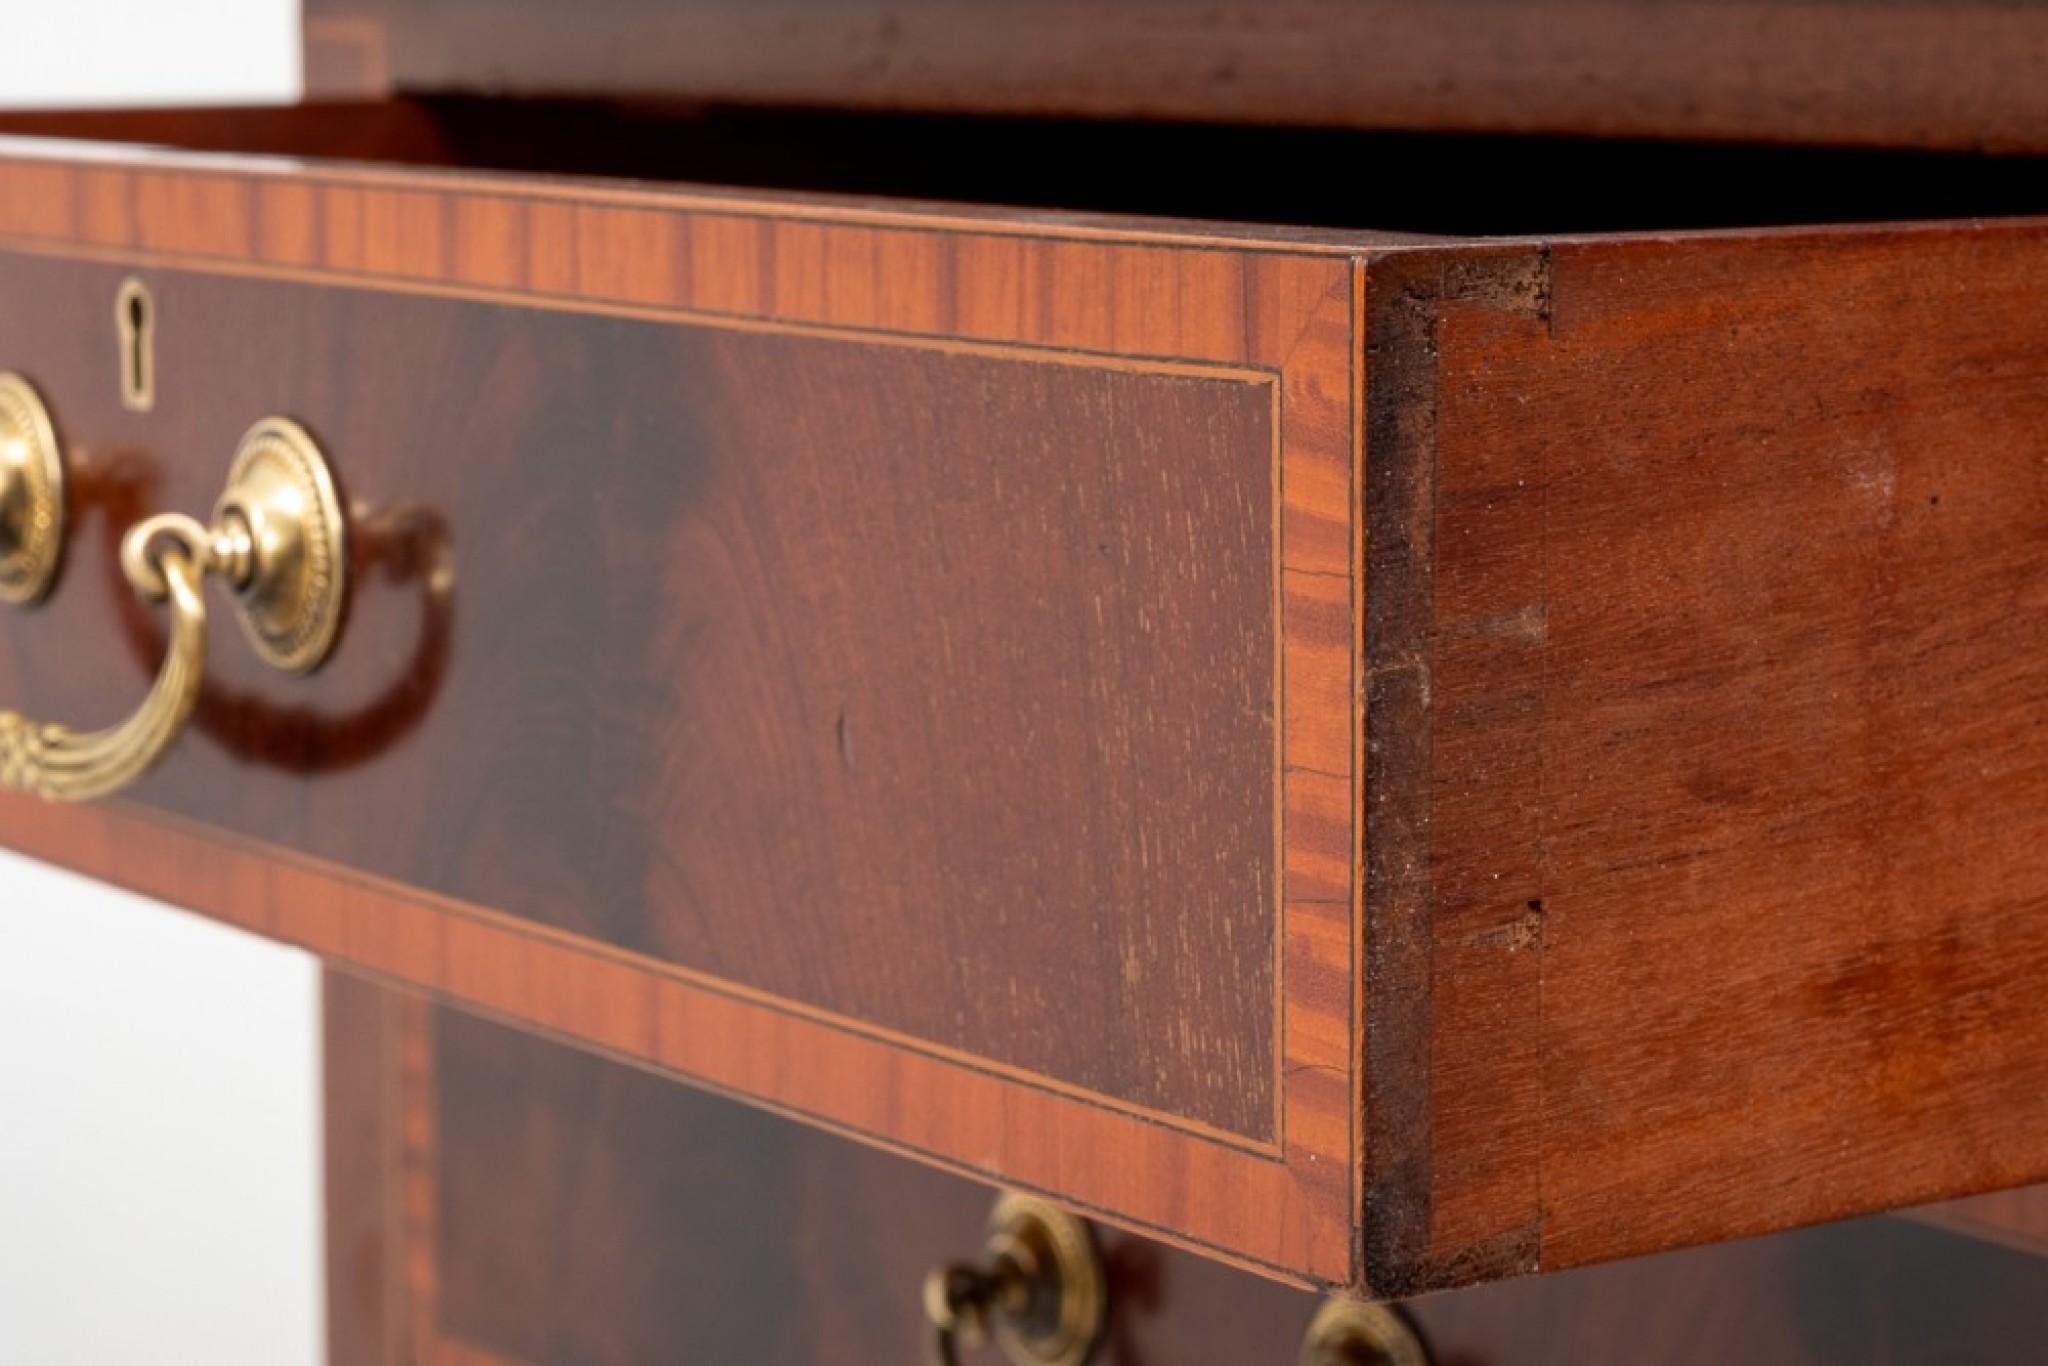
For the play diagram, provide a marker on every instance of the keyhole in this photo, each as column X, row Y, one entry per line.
column 134, row 321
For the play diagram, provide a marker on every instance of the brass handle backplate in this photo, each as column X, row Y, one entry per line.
column 1354, row 1333
column 1040, row 1294
column 277, row 539
column 31, row 494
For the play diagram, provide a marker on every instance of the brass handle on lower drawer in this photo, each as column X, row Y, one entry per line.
column 1352, row 1333
column 1041, row 1293
column 277, row 539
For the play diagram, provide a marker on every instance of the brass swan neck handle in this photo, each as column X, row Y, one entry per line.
column 277, row 539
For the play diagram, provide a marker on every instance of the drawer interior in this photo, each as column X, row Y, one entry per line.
column 1450, row 185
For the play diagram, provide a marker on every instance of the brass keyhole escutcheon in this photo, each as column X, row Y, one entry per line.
column 1353, row 1333
column 135, row 335
column 1040, row 1293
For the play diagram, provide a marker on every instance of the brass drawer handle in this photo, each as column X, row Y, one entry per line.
column 1353, row 1333
column 1041, row 1295
column 277, row 539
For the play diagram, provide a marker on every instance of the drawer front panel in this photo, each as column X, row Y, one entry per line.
column 897, row 669
column 925, row 687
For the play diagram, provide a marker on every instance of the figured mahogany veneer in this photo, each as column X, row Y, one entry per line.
column 1391, row 762
column 951, row 643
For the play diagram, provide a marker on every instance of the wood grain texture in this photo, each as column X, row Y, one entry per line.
column 1706, row 674
column 1875, row 72
column 578, row 1210
column 683, row 794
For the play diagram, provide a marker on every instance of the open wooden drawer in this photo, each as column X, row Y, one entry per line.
column 1391, row 760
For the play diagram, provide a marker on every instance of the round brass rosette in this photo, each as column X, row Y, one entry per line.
column 31, row 494
column 1061, row 1319
column 1353, row 1333
column 290, row 595
column 1039, row 1294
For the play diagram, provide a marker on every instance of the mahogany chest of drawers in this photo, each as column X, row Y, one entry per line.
column 1388, row 759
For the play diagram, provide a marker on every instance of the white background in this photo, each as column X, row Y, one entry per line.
column 159, row 1076
column 159, row 1151
column 69, row 52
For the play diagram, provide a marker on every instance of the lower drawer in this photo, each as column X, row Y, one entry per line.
column 494, row 1198
column 1390, row 761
